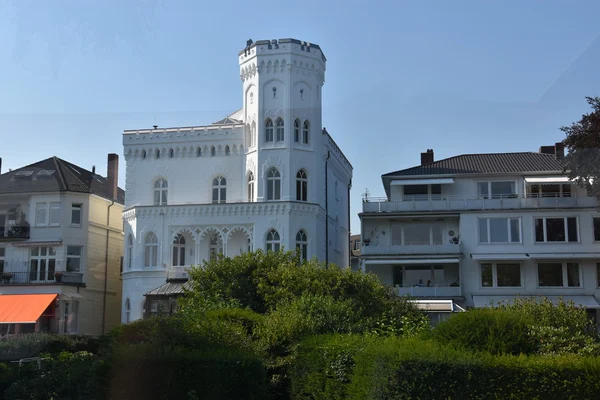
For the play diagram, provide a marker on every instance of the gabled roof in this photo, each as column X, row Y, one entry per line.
column 56, row 175
column 233, row 118
column 493, row 163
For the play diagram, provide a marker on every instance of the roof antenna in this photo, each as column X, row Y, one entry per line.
column 155, row 126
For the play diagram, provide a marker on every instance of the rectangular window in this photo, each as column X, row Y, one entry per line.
column 74, row 258
column 558, row 275
column 2, row 255
column 41, row 214
column 54, row 214
column 76, row 214
column 562, row 229
column 496, row 189
column 500, row 275
column 416, row 234
column 416, row 192
column 597, row 229
column 499, row 230
column 42, row 264
column 598, row 274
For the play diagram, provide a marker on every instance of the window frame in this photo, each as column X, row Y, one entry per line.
column 565, row 275
column 566, row 227
column 494, row 265
column 297, row 130
column 269, row 131
column 596, row 239
column 273, row 240
column 76, row 207
column 54, row 211
column 302, row 244
column 78, row 257
column 178, row 251
column 150, row 251
column 130, row 251
column 127, row 310
column 2, row 259
column 279, row 130
column 250, row 186
column 301, row 185
column 491, row 196
column 36, row 276
column 306, row 132
column 508, row 225
column 219, row 188
column 162, row 190
column 39, row 221
column 215, row 246
column 273, row 181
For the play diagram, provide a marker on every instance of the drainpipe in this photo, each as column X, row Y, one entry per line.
column 106, row 266
column 326, row 211
column 349, row 230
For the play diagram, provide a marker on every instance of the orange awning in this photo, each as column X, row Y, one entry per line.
column 23, row 308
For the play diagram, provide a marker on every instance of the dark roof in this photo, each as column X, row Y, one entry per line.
column 169, row 289
column 56, row 175
column 227, row 121
column 493, row 163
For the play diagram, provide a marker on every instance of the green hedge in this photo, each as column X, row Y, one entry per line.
column 366, row 367
column 144, row 372
column 15, row 347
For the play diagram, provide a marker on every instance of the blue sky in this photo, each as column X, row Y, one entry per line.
column 402, row 76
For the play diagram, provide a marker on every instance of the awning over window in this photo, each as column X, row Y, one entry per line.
column 438, row 305
column 45, row 243
column 548, row 180
column 23, row 308
column 564, row 256
column 579, row 301
column 499, row 256
column 411, row 261
column 432, row 181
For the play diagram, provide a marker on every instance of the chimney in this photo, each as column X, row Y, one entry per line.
column 93, row 170
column 112, row 175
column 559, row 150
column 427, row 157
column 0, row 165
column 547, row 150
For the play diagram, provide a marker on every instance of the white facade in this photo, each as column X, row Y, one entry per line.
column 480, row 237
column 256, row 180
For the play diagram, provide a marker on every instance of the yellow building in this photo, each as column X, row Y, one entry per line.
column 61, row 246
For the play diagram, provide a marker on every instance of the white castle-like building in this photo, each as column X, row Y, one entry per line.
column 268, row 176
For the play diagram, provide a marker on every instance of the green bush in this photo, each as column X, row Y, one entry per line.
column 15, row 347
column 487, row 329
column 147, row 372
column 407, row 369
column 7, row 377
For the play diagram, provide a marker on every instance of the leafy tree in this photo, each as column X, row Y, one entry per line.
column 583, row 145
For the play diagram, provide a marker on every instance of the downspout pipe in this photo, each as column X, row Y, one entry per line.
column 349, row 230
column 106, row 267
column 327, row 210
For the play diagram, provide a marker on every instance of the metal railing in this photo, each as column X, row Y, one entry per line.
column 429, row 291
column 372, row 249
column 461, row 203
column 14, row 232
column 41, row 277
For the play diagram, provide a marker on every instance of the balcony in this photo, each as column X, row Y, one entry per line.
column 429, row 249
column 14, row 233
column 429, row 291
column 461, row 203
column 41, row 278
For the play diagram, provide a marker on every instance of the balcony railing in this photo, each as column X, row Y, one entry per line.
column 41, row 278
column 14, row 232
column 429, row 291
column 412, row 249
column 461, row 203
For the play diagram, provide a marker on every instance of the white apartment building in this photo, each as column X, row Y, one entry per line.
column 61, row 244
column 480, row 228
column 268, row 176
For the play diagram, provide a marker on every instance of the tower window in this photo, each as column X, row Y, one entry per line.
column 297, row 131
column 273, row 240
column 251, row 98
column 280, row 129
column 301, row 186
column 227, row 151
column 213, row 151
column 161, row 187
column 273, row 184
column 274, row 92
column 143, row 154
column 302, row 245
column 179, row 250
column 301, row 94
column 250, row 187
column 305, row 132
column 157, row 154
column 171, row 153
column 268, row 130
column 219, row 190
column 199, row 152
column 216, row 246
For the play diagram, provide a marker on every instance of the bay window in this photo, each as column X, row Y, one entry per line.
column 562, row 229
column 500, row 275
column 499, row 230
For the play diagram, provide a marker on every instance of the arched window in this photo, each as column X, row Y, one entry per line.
column 297, row 131
column 129, row 252
column 219, row 190
column 157, row 154
column 216, row 246
column 280, row 129
column 127, row 311
column 253, row 134
column 273, row 184
column 251, row 187
column 213, row 151
column 179, row 251
column 249, row 240
column 161, row 188
column 227, row 151
column 305, row 132
column 301, row 186
column 302, row 245
column 273, row 240
column 143, row 154
column 199, row 152
column 151, row 250
column 268, row 130
column 171, row 153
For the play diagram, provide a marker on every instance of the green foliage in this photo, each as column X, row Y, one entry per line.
column 405, row 369
column 15, row 347
column 148, row 372
column 486, row 329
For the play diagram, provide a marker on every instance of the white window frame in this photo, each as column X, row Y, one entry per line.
column 431, row 226
column 269, row 131
column 302, row 185
column 279, row 130
column 273, row 240
column 41, row 220
column 297, row 130
column 54, row 213
column 302, row 244
column 219, row 184
column 566, row 226
column 127, row 310
column 495, row 275
column 565, row 275
column 74, row 257
column 489, row 236
column 151, row 258
column 77, row 207
column 215, row 245
column 47, row 258
column 273, row 176
column 250, row 187
column 130, row 252
column 306, row 132
column 163, row 192
column 489, row 194
column 178, row 251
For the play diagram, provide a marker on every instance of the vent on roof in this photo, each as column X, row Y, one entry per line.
column 24, row 173
column 45, row 172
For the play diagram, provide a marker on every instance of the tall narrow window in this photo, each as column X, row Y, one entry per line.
column 213, row 151
column 301, row 186
column 219, row 190
column 302, row 245
column 179, row 251
column 130, row 252
column 161, row 188
column 227, row 151
column 2, row 255
column 54, row 219
column 127, row 311
column 41, row 214
column 268, row 130
column 76, row 214
column 151, row 250
column 297, row 131
column 273, row 184
column 253, row 134
column 42, row 264
column 171, row 153
column 157, row 154
column 74, row 258
column 305, row 132
column 280, row 130
column 216, row 246
column 273, row 240
column 199, row 152
column 143, row 154
column 250, row 187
